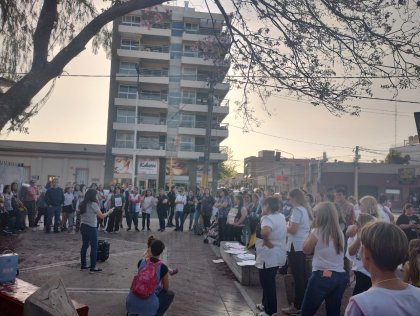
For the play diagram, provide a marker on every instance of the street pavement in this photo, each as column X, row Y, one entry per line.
column 201, row 287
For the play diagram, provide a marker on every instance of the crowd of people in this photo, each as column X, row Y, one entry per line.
column 317, row 240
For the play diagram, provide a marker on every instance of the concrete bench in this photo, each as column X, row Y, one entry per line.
column 13, row 297
column 246, row 275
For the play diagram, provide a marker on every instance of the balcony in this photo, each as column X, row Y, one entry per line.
column 199, row 129
column 195, row 152
column 200, row 105
column 201, row 82
column 203, row 59
column 144, row 103
column 144, row 148
column 144, row 51
column 199, row 35
column 148, row 75
column 141, row 127
column 156, row 29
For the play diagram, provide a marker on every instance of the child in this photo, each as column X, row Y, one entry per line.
column 363, row 281
column 147, row 253
column 412, row 266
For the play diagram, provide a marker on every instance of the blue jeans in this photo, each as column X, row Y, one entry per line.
column 89, row 237
column 320, row 288
column 179, row 223
column 132, row 216
column 53, row 211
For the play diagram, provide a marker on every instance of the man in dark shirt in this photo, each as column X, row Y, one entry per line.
column 171, row 198
column 54, row 198
column 409, row 222
column 162, row 209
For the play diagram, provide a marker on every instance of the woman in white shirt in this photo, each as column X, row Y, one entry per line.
column 271, row 253
column 384, row 248
column 146, row 209
column 363, row 282
column 329, row 280
column 298, row 229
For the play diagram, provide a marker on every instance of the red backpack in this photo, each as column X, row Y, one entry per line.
column 145, row 282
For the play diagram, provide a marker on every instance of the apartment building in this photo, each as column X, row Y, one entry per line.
column 160, row 98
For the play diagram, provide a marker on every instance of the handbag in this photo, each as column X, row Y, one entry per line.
column 8, row 266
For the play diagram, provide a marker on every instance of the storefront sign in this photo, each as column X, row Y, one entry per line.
column 147, row 166
column 179, row 167
column 407, row 175
column 123, row 165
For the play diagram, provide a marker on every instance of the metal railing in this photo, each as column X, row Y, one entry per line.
column 203, row 124
column 152, row 120
column 124, row 143
column 144, row 72
column 151, row 145
column 203, row 31
column 156, row 25
column 203, row 101
column 146, row 47
column 201, row 148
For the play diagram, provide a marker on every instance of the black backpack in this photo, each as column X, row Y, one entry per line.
column 103, row 250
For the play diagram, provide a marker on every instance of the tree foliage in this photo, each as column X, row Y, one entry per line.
column 395, row 157
column 227, row 169
column 328, row 51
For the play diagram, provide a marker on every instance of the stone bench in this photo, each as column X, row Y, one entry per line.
column 246, row 275
column 14, row 295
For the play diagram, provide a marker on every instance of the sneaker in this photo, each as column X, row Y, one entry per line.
column 94, row 270
column 173, row 271
column 148, row 229
column 137, row 230
column 34, row 229
column 291, row 310
column 260, row 307
column 142, row 229
column 84, row 268
column 128, row 229
column 117, row 232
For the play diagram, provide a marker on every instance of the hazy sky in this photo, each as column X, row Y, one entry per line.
column 77, row 113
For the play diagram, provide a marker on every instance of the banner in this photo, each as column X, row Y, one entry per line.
column 147, row 166
column 200, row 168
column 179, row 167
column 123, row 165
column 407, row 175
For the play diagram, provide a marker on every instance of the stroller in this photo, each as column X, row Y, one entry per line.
column 212, row 232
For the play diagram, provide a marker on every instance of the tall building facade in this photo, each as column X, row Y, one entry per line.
column 166, row 105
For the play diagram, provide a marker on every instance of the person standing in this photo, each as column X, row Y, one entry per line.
column 29, row 200
column 189, row 209
column 409, row 222
column 68, row 210
column 134, row 200
column 171, row 199
column 18, row 208
column 41, row 206
column 162, row 209
column 328, row 280
column 271, row 253
column 146, row 209
column 207, row 203
column 384, row 248
column 223, row 204
column 89, row 213
column 180, row 202
column 116, row 203
column 54, row 197
column 298, row 230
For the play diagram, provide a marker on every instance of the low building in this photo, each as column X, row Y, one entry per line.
column 412, row 148
column 43, row 161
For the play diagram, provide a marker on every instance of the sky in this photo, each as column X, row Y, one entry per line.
column 77, row 113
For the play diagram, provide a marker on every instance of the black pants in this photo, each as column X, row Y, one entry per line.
column 171, row 215
column 4, row 220
column 145, row 216
column 297, row 263
column 206, row 220
column 268, row 284
column 221, row 223
column 165, row 300
column 114, row 221
column 31, row 208
column 363, row 283
column 162, row 215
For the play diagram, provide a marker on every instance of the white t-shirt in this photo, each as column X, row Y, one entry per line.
column 299, row 216
column 180, row 198
column 148, row 203
column 384, row 302
column 383, row 216
column 68, row 199
column 276, row 256
column 356, row 259
column 325, row 255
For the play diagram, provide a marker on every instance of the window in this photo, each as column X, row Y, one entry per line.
column 154, row 95
column 202, row 98
column 133, row 20
column 188, row 96
column 127, row 92
column 189, row 73
column 130, row 44
column 81, row 175
column 187, row 120
column 126, row 116
column 124, row 140
column 186, row 143
column 149, row 118
column 128, row 68
column 191, row 27
column 149, row 143
column 393, row 194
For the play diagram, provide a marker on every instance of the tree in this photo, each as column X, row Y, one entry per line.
column 396, row 157
column 326, row 50
column 227, row 169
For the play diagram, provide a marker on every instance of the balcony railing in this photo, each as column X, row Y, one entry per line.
column 201, row 148
column 162, row 25
column 144, row 72
column 151, row 145
column 152, row 120
column 203, row 101
column 203, row 31
column 203, row 124
column 158, row 96
column 124, row 143
column 146, row 47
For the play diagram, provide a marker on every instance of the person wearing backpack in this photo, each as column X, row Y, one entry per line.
column 149, row 293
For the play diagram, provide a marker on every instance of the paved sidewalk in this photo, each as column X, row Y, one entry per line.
column 201, row 287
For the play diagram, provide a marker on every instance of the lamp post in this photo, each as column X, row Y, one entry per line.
column 136, row 118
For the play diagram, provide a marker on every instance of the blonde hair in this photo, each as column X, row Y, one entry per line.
column 299, row 196
column 413, row 252
column 370, row 205
column 364, row 218
column 327, row 223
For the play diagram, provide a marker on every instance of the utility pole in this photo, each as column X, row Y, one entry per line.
column 136, row 122
column 207, row 146
column 356, row 173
